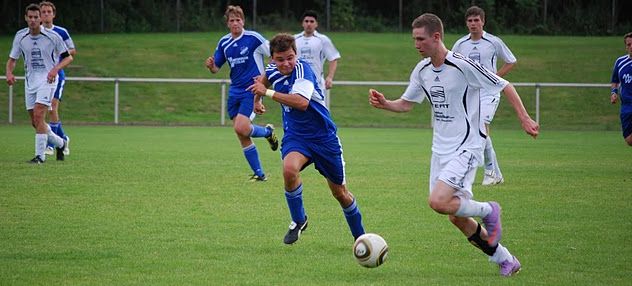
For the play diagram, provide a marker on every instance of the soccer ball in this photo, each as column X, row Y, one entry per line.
column 370, row 250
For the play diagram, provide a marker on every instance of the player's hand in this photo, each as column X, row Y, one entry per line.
column 10, row 79
column 259, row 107
column 531, row 127
column 613, row 98
column 52, row 74
column 329, row 82
column 210, row 64
column 376, row 99
column 257, row 88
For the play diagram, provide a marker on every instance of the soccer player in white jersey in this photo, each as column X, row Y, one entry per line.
column 42, row 51
column 485, row 49
column 452, row 84
column 314, row 48
column 310, row 134
column 622, row 84
column 244, row 51
column 48, row 12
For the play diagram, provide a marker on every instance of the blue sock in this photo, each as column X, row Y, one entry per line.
column 54, row 126
column 60, row 131
column 354, row 219
column 259, row 131
column 252, row 156
column 295, row 204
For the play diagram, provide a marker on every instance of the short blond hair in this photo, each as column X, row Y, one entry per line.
column 49, row 4
column 431, row 22
column 234, row 10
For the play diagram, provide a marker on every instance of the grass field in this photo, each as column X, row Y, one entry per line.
column 365, row 56
column 171, row 206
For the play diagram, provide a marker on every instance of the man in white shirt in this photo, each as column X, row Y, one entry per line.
column 485, row 49
column 314, row 48
column 452, row 84
column 42, row 50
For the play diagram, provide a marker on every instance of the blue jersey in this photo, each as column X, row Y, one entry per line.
column 622, row 74
column 313, row 123
column 63, row 33
column 245, row 56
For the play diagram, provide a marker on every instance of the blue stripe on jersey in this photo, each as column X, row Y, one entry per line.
column 622, row 74
column 240, row 54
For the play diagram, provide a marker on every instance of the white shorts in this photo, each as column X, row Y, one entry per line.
column 458, row 172
column 43, row 95
column 489, row 104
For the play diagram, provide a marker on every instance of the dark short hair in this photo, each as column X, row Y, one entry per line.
column 628, row 35
column 310, row 13
column 475, row 11
column 431, row 22
column 281, row 43
column 31, row 7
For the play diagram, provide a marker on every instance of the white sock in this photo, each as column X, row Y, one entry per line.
column 40, row 145
column 54, row 138
column 501, row 254
column 491, row 161
column 471, row 208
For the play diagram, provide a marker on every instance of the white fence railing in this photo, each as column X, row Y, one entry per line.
column 225, row 82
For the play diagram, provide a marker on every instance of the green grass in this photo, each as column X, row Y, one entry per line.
column 365, row 56
column 165, row 206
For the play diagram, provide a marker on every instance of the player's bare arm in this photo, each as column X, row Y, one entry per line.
column 377, row 100
column 331, row 72
column 528, row 125
column 505, row 69
column 210, row 65
column 10, row 67
column 614, row 95
column 296, row 101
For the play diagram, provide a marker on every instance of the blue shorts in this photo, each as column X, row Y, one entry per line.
column 60, row 89
column 241, row 102
column 626, row 123
column 325, row 154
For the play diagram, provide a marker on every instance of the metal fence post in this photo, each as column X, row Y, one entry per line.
column 328, row 99
column 537, row 103
column 11, row 104
column 222, row 120
column 116, row 101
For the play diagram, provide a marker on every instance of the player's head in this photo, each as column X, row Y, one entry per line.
column 32, row 16
column 47, row 11
column 475, row 19
column 627, row 39
column 283, row 52
column 427, row 33
column 235, row 19
column 310, row 21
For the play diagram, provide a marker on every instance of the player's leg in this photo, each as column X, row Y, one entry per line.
column 293, row 163
column 349, row 206
column 477, row 236
column 493, row 176
column 242, row 113
column 246, row 106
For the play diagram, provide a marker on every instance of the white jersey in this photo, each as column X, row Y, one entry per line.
column 41, row 54
column 453, row 90
column 315, row 50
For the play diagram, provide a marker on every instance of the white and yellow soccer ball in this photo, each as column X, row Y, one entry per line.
column 370, row 250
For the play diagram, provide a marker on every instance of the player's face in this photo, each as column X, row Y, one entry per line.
column 285, row 61
column 235, row 24
column 33, row 19
column 309, row 24
column 475, row 24
column 424, row 43
column 47, row 14
column 628, row 46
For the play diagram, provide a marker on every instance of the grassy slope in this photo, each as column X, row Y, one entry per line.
column 365, row 56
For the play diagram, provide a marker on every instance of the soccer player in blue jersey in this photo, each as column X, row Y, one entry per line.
column 310, row 134
column 622, row 84
column 48, row 11
column 45, row 54
column 452, row 83
column 486, row 49
column 244, row 51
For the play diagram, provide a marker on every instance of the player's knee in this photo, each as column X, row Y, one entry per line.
column 290, row 174
column 628, row 140
column 437, row 205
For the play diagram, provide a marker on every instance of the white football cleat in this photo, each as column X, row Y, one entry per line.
column 491, row 178
column 67, row 149
column 50, row 151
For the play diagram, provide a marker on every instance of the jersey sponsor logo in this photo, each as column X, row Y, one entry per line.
column 237, row 61
column 37, row 62
column 627, row 78
column 437, row 93
column 243, row 51
column 476, row 56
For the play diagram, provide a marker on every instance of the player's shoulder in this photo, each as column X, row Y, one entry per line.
column 492, row 38
column 22, row 33
column 50, row 33
column 459, row 60
column 421, row 65
column 299, row 35
column 622, row 59
column 61, row 30
column 462, row 39
column 254, row 34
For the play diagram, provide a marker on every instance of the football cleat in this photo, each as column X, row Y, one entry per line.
column 294, row 231
column 67, row 146
column 272, row 139
column 492, row 224
column 491, row 178
column 59, row 154
column 255, row 178
column 36, row 160
column 50, row 151
column 510, row 267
